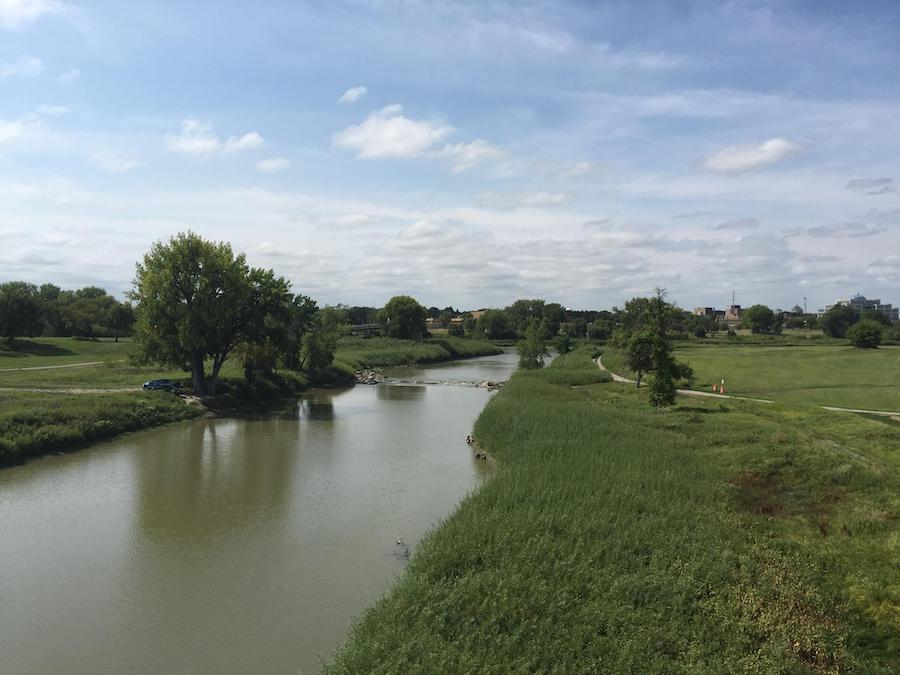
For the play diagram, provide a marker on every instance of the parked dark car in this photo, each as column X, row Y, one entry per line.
column 160, row 385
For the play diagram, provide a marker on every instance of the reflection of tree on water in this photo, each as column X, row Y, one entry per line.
column 211, row 477
column 317, row 409
column 400, row 392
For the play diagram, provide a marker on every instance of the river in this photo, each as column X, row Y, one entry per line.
column 232, row 545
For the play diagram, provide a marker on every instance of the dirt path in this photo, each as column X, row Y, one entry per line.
column 68, row 365
column 707, row 394
column 683, row 392
column 71, row 390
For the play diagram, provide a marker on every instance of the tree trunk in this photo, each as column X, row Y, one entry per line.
column 198, row 376
column 214, row 377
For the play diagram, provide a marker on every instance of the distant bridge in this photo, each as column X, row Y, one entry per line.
column 366, row 329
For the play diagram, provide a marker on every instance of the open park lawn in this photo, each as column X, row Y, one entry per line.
column 829, row 374
column 712, row 537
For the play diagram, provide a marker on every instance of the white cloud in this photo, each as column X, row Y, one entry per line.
column 115, row 163
column 544, row 198
column 353, row 94
column 249, row 141
column 467, row 155
column 388, row 133
column 273, row 164
column 737, row 224
column 15, row 130
column 25, row 66
column 70, row 76
column 739, row 158
column 197, row 139
column 52, row 110
column 16, row 13
column 577, row 170
column 845, row 230
column 872, row 186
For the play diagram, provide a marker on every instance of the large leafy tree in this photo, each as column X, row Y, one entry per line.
column 196, row 301
column 837, row 320
column 404, row 318
column 20, row 310
column 120, row 318
column 761, row 320
column 321, row 340
column 494, row 324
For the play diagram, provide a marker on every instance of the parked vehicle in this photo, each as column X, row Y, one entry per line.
column 160, row 385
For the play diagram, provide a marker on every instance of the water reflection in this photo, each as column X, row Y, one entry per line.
column 400, row 392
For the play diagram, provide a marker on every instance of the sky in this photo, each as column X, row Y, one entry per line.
column 465, row 153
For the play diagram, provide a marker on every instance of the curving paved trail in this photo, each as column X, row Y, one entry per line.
column 707, row 394
column 68, row 365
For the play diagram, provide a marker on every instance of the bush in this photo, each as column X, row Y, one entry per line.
column 865, row 334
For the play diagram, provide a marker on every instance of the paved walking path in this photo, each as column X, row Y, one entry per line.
column 707, row 394
column 68, row 365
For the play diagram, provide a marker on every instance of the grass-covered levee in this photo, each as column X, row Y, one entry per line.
column 711, row 537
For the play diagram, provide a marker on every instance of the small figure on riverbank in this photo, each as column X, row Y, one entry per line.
column 470, row 440
column 481, row 455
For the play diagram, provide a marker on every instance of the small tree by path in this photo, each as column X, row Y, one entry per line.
column 533, row 348
column 639, row 355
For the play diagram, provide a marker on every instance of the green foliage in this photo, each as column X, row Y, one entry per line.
column 196, row 300
column 837, row 320
column 865, row 334
column 31, row 423
column 494, row 324
column 639, row 354
column 533, row 348
column 358, row 353
column 19, row 310
column 617, row 538
column 761, row 320
column 564, row 343
column 320, row 342
column 404, row 318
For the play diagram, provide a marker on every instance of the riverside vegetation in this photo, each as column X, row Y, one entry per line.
column 81, row 404
column 709, row 537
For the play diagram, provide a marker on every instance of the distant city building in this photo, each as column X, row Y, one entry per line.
column 733, row 313
column 860, row 303
column 704, row 311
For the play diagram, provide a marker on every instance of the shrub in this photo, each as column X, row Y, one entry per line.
column 865, row 334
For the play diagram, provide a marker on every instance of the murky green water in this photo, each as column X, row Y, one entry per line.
column 230, row 545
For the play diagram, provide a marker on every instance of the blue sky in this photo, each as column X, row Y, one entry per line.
column 467, row 153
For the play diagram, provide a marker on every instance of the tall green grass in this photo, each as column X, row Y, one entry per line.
column 360, row 353
column 32, row 423
column 614, row 537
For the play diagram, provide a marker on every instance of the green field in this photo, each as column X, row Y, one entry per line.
column 713, row 537
column 834, row 375
column 358, row 353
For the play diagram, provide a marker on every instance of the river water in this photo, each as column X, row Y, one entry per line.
column 232, row 545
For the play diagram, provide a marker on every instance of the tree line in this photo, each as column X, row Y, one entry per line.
column 27, row 310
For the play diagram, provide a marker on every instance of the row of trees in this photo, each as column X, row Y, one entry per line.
column 27, row 310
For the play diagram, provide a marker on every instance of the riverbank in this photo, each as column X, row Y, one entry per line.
column 82, row 404
column 709, row 537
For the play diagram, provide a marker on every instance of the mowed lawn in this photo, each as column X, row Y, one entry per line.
column 818, row 374
column 40, row 352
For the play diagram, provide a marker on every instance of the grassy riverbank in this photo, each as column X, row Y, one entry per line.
column 358, row 353
column 60, row 393
column 835, row 374
column 713, row 537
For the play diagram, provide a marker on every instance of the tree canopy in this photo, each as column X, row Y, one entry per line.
column 865, row 334
column 761, row 320
column 404, row 318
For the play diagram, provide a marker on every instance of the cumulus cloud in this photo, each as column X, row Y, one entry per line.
column 872, row 186
column 737, row 224
column 842, row 230
column 464, row 156
column 25, row 66
column 249, row 141
column 15, row 130
column 389, row 133
column 109, row 161
column 52, row 110
column 273, row 164
column 738, row 158
column 69, row 76
column 197, row 139
column 17, row 13
column 353, row 94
